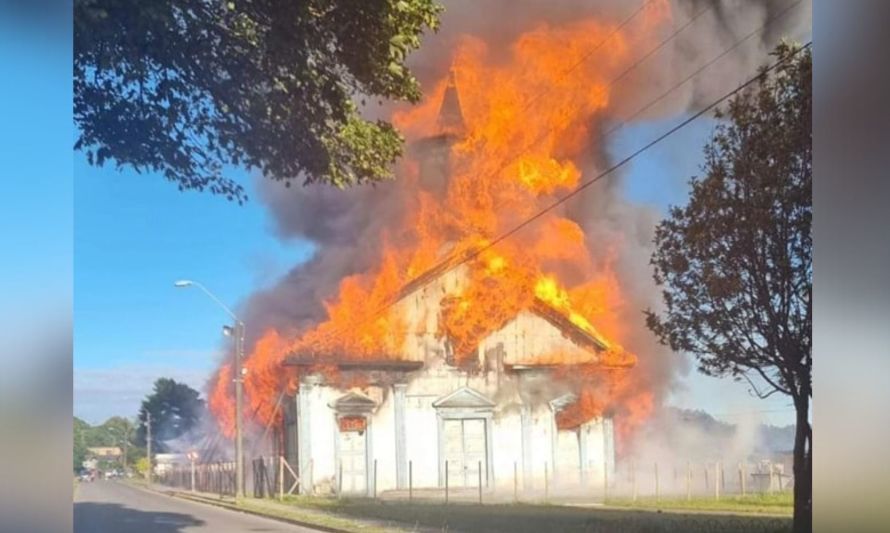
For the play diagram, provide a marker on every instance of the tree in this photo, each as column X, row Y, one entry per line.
column 736, row 263
column 142, row 466
column 121, row 433
column 80, row 446
column 184, row 87
column 175, row 410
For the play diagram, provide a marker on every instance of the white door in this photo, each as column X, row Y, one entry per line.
column 352, row 460
column 568, row 457
column 465, row 446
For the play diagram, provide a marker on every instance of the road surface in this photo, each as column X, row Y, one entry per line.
column 112, row 507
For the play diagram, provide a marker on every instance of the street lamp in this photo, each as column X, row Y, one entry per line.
column 238, row 333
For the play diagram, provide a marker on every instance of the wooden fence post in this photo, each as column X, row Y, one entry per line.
column 656, row 482
column 280, row 478
column 410, row 480
column 311, row 479
column 480, row 482
column 546, row 482
column 605, row 482
column 446, row 482
column 633, row 479
column 375, row 479
column 515, row 482
column 717, row 481
column 688, row 481
column 771, row 475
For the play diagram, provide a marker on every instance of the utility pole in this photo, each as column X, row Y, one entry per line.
column 148, row 442
column 126, row 444
column 239, row 374
column 239, row 452
column 128, row 430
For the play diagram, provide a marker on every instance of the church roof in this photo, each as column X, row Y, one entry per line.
column 581, row 336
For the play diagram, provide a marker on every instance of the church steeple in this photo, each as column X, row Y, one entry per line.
column 451, row 119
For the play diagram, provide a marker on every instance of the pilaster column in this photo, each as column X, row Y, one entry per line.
column 401, row 447
column 304, row 425
column 526, row 419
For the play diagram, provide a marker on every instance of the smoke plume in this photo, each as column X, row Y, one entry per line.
column 348, row 227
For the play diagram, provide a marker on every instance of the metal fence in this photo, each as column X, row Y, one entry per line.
column 217, row 478
column 272, row 477
column 265, row 477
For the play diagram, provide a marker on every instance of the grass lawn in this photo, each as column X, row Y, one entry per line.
column 532, row 518
column 778, row 503
column 317, row 515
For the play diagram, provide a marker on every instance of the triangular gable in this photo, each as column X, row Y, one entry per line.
column 464, row 398
column 353, row 402
column 591, row 340
column 561, row 402
column 574, row 332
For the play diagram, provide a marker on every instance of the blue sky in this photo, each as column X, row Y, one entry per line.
column 136, row 234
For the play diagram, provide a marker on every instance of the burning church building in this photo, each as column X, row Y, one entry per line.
column 462, row 356
column 479, row 417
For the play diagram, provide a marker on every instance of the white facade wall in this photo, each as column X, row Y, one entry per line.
column 502, row 396
column 548, row 447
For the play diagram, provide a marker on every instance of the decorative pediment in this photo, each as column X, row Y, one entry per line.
column 560, row 403
column 464, row 398
column 353, row 403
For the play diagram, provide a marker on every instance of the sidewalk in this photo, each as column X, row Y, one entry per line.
column 310, row 514
column 425, row 514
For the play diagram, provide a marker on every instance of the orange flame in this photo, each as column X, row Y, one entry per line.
column 527, row 118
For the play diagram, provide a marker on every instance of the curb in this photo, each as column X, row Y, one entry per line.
column 236, row 508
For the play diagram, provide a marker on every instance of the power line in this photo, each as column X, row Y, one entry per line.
column 625, row 72
column 713, row 60
column 545, row 133
column 475, row 253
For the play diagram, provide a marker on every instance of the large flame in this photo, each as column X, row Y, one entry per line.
column 528, row 115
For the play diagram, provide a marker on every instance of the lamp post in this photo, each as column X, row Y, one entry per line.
column 239, row 352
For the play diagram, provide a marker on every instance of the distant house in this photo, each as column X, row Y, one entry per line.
column 105, row 452
column 165, row 462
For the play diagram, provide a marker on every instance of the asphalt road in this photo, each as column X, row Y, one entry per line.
column 111, row 507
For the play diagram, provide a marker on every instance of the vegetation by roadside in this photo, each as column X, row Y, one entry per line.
column 526, row 517
column 767, row 513
column 315, row 515
column 772, row 504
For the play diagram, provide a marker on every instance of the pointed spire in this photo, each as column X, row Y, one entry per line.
column 451, row 119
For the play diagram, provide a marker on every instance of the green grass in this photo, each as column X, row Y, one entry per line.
column 781, row 503
column 767, row 513
column 532, row 518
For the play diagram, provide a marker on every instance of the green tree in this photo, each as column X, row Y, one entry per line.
column 121, row 431
column 175, row 410
column 184, row 87
column 80, row 447
column 736, row 263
